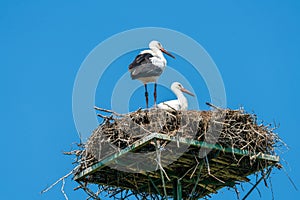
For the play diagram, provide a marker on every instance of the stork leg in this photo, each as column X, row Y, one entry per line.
column 146, row 95
column 155, row 94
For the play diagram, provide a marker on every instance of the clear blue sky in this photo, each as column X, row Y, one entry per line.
column 255, row 45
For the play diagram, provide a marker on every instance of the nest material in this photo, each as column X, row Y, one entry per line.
column 227, row 128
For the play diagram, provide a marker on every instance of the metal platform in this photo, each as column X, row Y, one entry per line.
column 189, row 176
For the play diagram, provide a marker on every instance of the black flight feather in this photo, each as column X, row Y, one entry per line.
column 140, row 60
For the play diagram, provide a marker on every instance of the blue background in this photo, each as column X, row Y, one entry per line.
column 255, row 45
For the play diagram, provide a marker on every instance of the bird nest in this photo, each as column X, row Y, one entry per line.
column 149, row 153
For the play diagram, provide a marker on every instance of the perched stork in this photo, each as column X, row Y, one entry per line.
column 149, row 65
column 180, row 103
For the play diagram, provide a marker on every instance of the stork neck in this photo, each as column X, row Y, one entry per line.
column 158, row 53
column 182, row 99
column 161, row 56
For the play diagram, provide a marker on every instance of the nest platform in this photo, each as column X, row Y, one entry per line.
column 158, row 154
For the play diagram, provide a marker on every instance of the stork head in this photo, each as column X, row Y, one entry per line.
column 155, row 45
column 176, row 86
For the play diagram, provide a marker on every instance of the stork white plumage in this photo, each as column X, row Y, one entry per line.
column 149, row 65
column 180, row 103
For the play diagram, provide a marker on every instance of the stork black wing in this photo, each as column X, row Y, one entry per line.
column 140, row 60
column 145, row 70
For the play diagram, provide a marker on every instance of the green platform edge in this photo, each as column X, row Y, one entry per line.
column 182, row 140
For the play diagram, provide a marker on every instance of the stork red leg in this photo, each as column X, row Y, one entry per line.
column 155, row 94
column 146, row 95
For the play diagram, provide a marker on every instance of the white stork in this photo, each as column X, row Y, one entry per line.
column 149, row 65
column 180, row 103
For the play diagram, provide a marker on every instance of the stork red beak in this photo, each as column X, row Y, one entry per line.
column 166, row 52
column 186, row 91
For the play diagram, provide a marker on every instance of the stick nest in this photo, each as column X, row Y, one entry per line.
column 226, row 128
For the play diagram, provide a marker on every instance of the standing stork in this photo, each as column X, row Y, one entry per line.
column 149, row 65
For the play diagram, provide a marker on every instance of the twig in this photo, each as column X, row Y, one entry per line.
column 237, row 192
column 292, row 182
column 255, row 185
column 89, row 192
column 109, row 111
column 80, row 138
column 213, row 106
column 62, row 189
column 61, row 179
column 197, row 181
column 161, row 169
column 208, row 170
column 258, row 191
column 195, row 167
column 105, row 117
column 170, row 107
column 271, row 186
column 74, row 152
column 186, row 173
